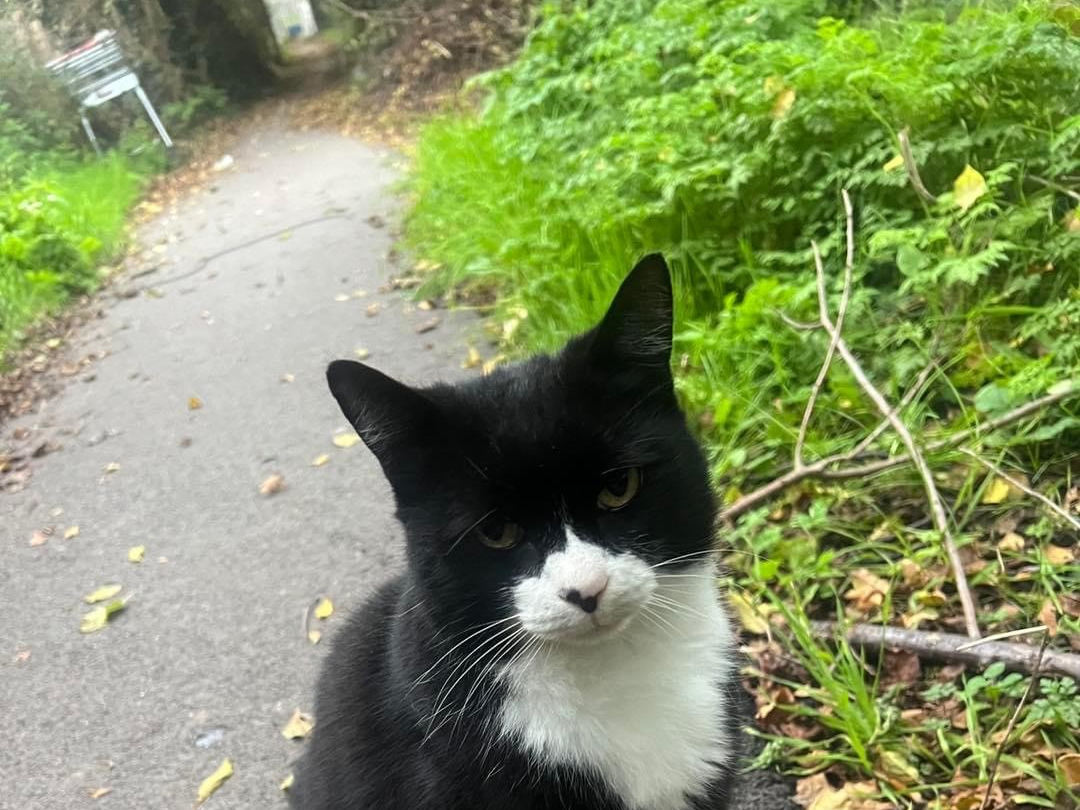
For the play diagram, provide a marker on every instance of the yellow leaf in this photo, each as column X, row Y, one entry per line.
column 894, row 164
column 997, row 492
column 102, row 593
column 321, row 459
column 214, row 781
column 492, row 364
column 472, row 360
column 341, row 297
column 287, row 782
column 136, row 554
column 298, row 727
column 314, row 636
column 968, row 187
column 346, row 440
column 1056, row 555
column 325, row 609
column 287, row 378
column 112, row 467
column 71, row 532
column 362, row 354
column 194, row 403
column 97, row 618
column 97, row 793
column 359, row 293
column 272, row 485
column 509, row 328
column 749, row 618
column 783, row 104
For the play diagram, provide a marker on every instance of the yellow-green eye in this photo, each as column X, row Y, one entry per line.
column 500, row 534
column 620, row 487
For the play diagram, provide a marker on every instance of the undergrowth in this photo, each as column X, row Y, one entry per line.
column 722, row 133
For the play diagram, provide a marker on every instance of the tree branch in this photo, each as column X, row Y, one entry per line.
column 913, row 168
column 947, row 647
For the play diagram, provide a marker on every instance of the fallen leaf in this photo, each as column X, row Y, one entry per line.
column 997, row 492
column 298, row 727
column 912, row 573
column 509, row 328
column 373, row 309
column 324, row 609
column 214, row 781
column 809, row 788
column 359, row 293
column 362, row 354
column 492, row 364
column 1011, row 542
column 288, row 378
column 112, row 467
column 39, row 537
column 136, row 554
column 194, row 403
column 287, row 782
column 472, row 359
column 272, row 485
column 900, row 667
column 1048, row 616
column 314, row 636
column 968, row 187
column 97, row 793
column 427, row 326
column 53, row 343
column 97, row 618
column 425, row 305
column 341, row 297
column 320, row 460
column 71, row 532
column 1069, row 765
column 896, row 770
column 22, row 656
column 346, row 440
column 749, row 618
column 1056, row 555
column 102, row 593
column 868, row 590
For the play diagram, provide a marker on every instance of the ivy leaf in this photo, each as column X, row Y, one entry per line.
column 968, row 187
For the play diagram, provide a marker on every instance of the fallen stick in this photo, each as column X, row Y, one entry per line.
column 947, row 647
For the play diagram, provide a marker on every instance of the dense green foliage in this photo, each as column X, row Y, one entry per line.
column 722, row 133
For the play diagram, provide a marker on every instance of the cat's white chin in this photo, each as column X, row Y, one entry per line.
column 586, row 632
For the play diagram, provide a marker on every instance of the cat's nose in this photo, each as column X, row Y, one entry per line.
column 587, row 594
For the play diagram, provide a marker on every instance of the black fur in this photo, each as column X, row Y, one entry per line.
column 530, row 442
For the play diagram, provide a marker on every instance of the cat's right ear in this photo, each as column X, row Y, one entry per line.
column 397, row 423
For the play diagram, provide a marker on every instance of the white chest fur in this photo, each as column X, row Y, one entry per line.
column 645, row 709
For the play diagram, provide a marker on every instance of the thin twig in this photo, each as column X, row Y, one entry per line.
column 1023, row 631
column 913, row 169
column 937, row 506
column 1020, row 485
column 830, row 353
column 798, row 326
column 1042, row 181
column 823, row 468
column 991, row 774
column 907, row 399
column 946, row 647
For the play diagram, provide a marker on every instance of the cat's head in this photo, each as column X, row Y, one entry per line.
column 550, row 490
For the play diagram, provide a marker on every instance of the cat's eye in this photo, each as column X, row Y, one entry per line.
column 620, row 487
column 499, row 533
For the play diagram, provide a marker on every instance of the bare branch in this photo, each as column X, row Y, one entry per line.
column 1042, row 181
column 937, row 506
column 946, row 647
column 1020, row 485
column 823, row 304
column 907, row 399
column 913, row 169
column 991, row 773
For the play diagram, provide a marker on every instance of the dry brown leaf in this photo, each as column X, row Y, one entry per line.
column 373, row 309
column 214, row 781
column 809, row 788
column 1011, row 542
column 346, row 440
column 1048, row 616
column 1056, row 555
column 912, row 573
column 1069, row 765
column 136, row 554
column 272, row 485
column 900, row 667
column 867, row 591
column 299, row 726
column 194, row 403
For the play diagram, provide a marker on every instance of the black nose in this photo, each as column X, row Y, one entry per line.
column 586, row 603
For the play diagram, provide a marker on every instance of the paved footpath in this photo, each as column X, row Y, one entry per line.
column 210, row 658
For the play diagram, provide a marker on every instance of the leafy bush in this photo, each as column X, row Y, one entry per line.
column 721, row 132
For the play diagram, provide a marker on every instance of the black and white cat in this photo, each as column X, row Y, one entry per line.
column 556, row 641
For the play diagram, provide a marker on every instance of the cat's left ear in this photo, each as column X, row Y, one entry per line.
column 637, row 329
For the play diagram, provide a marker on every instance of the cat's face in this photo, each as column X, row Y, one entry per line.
column 554, row 494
